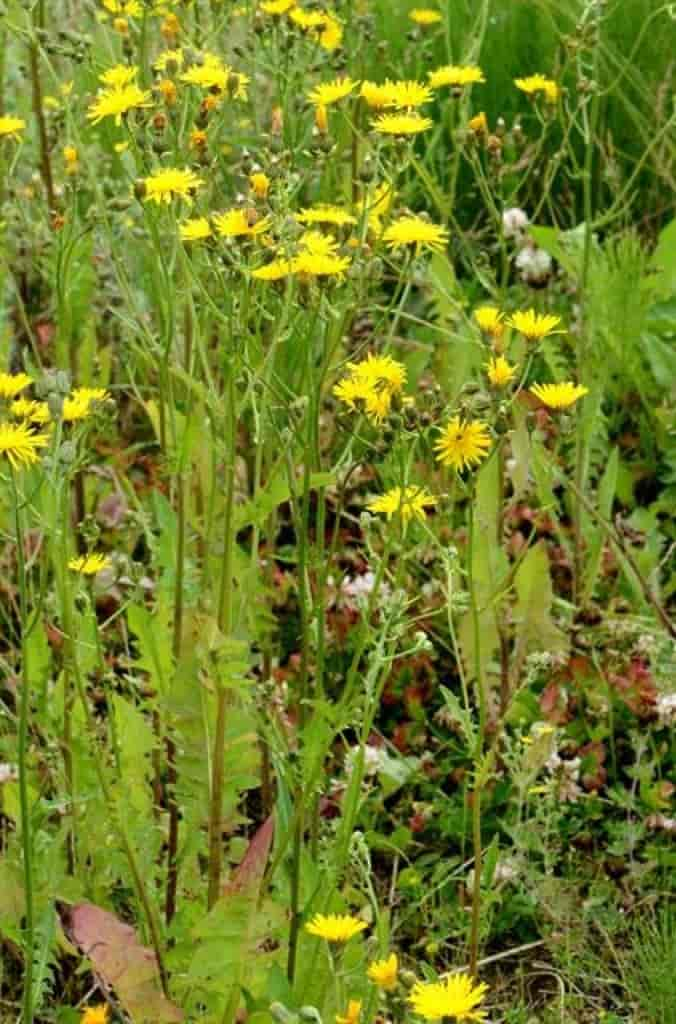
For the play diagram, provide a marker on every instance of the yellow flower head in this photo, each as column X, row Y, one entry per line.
column 79, row 403
column 260, row 184
column 240, row 223
column 277, row 7
column 425, row 16
column 538, row 83
column 95, row 1014
column 370, row 385
column 499, row 371
column 195, row 229
column 462, row 444
column 127, row 8
column 559, row 396
column 353, row 1013
column 167, row 90
column 535, row 326
column 70, row 156
column 307, row 19
column 410, row 502
column 276, row 270
column 116, row 103
column 19, row 444
column 317, row 264
column 325, row 213
column 34, row 412
column 478, row 124
column 317, row 244
column 171, row 183
column 327, row 93
column 335, row 927
column 169, row 57
column 489, row 319
column 118, row 76
column 408, row 94
column 383, row 973
column 12, row 383
column 331, row 35
column 11, row 127
column 401, row 124
column 376, row 95
column 381, row 371
column 457, row 997
column 456, row 75
column 89, row 565
column 412, row 230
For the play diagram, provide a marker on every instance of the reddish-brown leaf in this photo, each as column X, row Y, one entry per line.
column 123, row 964
column 251, row 868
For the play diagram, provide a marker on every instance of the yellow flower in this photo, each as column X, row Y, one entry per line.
column 11, row 127
column 117, row 102
column 331, row 35
column 260, row 183
column 489, row 319
column 538, row 83
column 376, row 95
column 456, row 75
column 195, row 229
column 499, row 371
column 335, row 927
column 169, row 57
column 416, row 231
column 325, row 213
column 119, row 76
column 425, row 16
column 95, row 1015
column 19, row 444
column 457, row 997
column 277, row 6
column 401, row 124
column 34, row 412
column 353, row 1013
column 409, row 94
column 307, row 19
column 371, row 385
column 383, row 973
column 89, row 565
column 478, row 124
column 79, row 403
column 382, row 371
column 274, row 271
column 70, row 156
column 121, row 25
column 130, row 8
column 316, row 264
column 213, row 74
column 168, row 91
column 462, row 444
column 171, row 183
column 327, row 93
column 12, row 383
column 534, row 326
column 559, row 396
column 239, row 223
column 409, row 502
column 197, row 138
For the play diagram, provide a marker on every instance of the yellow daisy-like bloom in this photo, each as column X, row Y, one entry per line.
column 195, row 229
column 34, row 412
column 425, row 16
column 213, row 74
column 12, row 383
column 327, row 93
column 353, row 1013
column 89, row 565
column 95, row 1014
column 478, row 124
column 381, row 371
column 116, row 103
column 538, row 83
column 274, row 271
column 383, row 973
column 409, row 503
column 325, row 213
column 119, row 76
column 462, row 444
column 559, row 396
column 456, row 75
column 169, row 57
column 171, row 183
column 376, row 95
column 317, row 244
column 79, row 403
column 499, row 371
column 20, row 445
column 331, row 35
column 371, row 384
column 489, row 319
column 307, row 19
column 126, row 8
column 335, row 927
column 457, row 997
column 316, row 264
column 260, row 184
column 239, row 224
column 535, row 326
column 416, row 231
column 11, row 127
column 409, row 94
column 401, row 124
column 277, row 6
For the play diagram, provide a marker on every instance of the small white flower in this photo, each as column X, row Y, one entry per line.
column 514, row 222
column 666, row 708
column 535, row 264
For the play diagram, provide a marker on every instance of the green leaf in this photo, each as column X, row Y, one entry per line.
column 460, row 715
column 535, row 629
column 606, row 496
column 664, row 259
